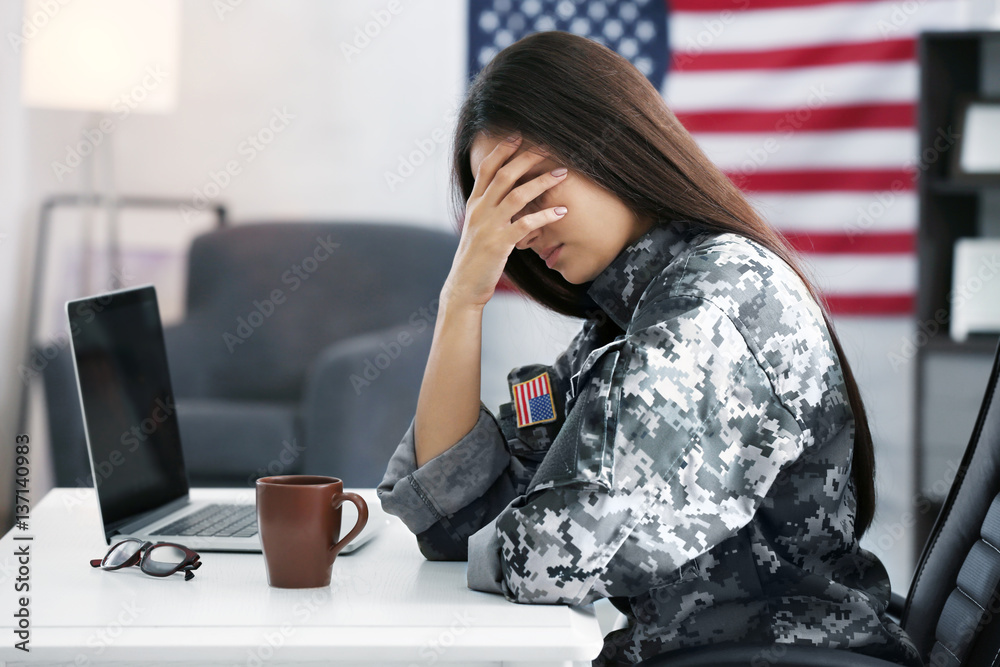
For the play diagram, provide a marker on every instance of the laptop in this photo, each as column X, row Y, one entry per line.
column 133, row 436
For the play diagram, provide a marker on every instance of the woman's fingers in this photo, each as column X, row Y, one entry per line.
column 524, row 194
column 529, row 223
column 491, row 163
column 508, row 175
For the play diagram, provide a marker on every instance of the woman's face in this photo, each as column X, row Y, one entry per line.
column 597, row 225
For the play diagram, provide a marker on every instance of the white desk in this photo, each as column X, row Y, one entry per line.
column 386, row 605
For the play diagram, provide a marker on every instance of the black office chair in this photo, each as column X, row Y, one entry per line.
column 951, row 612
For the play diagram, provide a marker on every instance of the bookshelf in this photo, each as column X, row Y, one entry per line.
column 951, row 376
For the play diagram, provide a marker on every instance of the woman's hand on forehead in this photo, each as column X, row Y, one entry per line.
column 540, row 168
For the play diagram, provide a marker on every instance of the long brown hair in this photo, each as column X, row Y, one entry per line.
column 595, row 112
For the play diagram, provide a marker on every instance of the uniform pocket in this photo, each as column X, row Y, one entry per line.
column 536, row 412
column 583, row 451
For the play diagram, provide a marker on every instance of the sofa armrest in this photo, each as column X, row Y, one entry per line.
column 360, row 397
column 67, row 440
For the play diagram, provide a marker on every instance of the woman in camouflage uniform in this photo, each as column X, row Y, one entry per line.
column 700, row 453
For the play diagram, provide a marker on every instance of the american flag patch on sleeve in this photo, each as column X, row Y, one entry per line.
column 533, row 401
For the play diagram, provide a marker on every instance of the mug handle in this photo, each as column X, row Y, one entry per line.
column 362, row 506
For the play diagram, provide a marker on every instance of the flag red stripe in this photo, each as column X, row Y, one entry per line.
column 522, row 419
column 859, row 180
column 851, row 117
column 861, row 243
column 870, row 304
column 889, row 50
column 741, row 5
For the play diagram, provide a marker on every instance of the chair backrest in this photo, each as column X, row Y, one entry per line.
column 276, row 294
column 951, row 610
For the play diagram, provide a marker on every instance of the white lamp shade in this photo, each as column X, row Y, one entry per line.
column 102, row 55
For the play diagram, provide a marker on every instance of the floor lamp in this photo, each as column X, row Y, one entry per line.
column 112, row 58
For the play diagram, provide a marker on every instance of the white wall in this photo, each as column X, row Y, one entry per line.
column 887, row 389
column 13, row 209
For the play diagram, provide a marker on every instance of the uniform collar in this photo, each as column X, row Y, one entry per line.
column 617, row 288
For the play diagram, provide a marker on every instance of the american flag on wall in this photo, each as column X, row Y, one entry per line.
column 808, row 105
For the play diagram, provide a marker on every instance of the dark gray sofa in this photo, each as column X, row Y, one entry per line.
column 301, row 351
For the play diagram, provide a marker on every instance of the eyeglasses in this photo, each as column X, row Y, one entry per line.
column 159, row 560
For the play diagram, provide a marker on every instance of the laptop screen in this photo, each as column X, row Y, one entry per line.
column 128, row 403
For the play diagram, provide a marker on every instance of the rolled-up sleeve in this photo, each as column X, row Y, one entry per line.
column 669, row 450
column 454, row 479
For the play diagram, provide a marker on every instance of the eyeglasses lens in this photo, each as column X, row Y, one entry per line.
column 121, row 553
column 164, row 559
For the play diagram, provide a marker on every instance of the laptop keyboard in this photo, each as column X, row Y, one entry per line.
column 216, row 520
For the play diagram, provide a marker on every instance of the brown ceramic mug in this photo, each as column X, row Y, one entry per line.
column 298, row 517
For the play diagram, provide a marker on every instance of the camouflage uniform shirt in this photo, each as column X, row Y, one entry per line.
column 696, row 471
